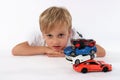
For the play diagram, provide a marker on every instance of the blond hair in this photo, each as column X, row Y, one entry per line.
column 53, row 16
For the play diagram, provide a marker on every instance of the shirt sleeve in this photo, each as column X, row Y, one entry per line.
column 36, row 39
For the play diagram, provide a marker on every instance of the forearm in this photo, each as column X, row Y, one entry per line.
column 26, row 50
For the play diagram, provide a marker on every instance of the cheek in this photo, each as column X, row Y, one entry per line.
column 48, row 42
column 65, row 41
column 68, row 36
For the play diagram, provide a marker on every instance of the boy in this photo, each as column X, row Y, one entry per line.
column 56, row 28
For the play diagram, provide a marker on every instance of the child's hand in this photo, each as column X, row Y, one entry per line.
column 52, row 53
column 56, row 54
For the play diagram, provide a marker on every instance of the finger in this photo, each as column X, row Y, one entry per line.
column 54, row 55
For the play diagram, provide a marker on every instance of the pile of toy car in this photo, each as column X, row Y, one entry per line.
column 82, row 53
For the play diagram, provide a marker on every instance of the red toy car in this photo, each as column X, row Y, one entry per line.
column 92, row 65
column 81, row 43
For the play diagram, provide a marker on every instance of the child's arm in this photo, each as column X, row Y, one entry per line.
column 100, row 51
column 23, row 49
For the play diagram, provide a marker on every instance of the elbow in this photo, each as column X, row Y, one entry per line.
column 101, row 53
column 14, row 52
column 19, row 49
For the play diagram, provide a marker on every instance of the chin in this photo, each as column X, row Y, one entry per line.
column 57, row 50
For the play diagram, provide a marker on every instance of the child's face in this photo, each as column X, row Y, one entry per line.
column 57, row 38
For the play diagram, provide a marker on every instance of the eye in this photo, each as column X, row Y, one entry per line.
column 61, row 35
column 49, row 35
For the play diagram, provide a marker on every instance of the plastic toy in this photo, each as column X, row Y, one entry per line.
column 82, row 53
column 77, row 53
column 92, row 65
column 78, row 59
column 70, row 51
column 82, row 43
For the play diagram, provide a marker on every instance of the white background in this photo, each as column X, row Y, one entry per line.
column 97, row 19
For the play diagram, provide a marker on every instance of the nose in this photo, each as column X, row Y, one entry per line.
column 56, row 41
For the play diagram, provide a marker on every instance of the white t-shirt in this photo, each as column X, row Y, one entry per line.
column 37, row 39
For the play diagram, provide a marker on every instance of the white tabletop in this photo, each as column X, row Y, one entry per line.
column 45, row 68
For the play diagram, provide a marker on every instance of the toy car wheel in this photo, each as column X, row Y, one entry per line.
column 84, row 70
column 91, row 40
column 92, row 56
column 105, row 69
column 72, row 54
column 92, row 52
column 77, row 61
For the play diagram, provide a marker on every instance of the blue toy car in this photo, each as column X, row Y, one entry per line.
column 71, row 51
